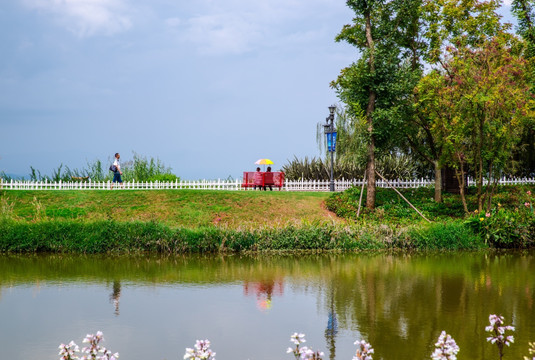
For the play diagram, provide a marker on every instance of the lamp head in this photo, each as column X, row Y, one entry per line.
column 331, row 109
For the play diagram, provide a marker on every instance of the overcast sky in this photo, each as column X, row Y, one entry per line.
column 206, row 86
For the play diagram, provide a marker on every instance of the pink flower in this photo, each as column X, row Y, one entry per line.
column 487, row 214
column 529, row 192
column 526, row 204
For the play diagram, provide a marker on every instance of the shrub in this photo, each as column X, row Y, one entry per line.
column 503, row 228
column 451, row 235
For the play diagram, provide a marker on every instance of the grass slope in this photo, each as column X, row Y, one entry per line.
column 182, row 208
column 171, row 221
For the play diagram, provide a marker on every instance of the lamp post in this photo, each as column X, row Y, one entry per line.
column 330, row 132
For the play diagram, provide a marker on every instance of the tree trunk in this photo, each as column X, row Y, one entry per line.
column 370, row 192
column 480, row 166
column 461, row 179
column 370, row 169
column 438, row 182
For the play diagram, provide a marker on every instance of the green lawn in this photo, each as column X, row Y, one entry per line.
column 174, row 208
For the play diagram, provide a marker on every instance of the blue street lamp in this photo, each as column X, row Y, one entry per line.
column 330, row 132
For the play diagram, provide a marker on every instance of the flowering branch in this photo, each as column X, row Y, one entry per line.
column 364, row 351
column 497, row 330
column 303, row 353
column 446, row 348
column 531, row 351
column 93, row 352
column 202, row 351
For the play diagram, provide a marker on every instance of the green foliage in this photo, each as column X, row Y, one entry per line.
column 139, row 169
column 391, row 208
column 5, row 177
column 511, row 225
column 503, row 228
column 6, row 208
column 451, row 235
column 308, row 169
column 70, row 236
column 524, row 11
column 462, row 23
column 391, row 166
column 143, row 169
column 476, row 106
column 176, row 208
column 378, row 85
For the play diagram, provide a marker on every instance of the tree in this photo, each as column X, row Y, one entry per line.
column 378, row 83
column 442, row 23
column 476, row 105
column 524, row 11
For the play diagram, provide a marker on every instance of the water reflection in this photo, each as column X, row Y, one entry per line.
column 264, row 291
column 398, row 303
column 332, row 327
column 116, row 295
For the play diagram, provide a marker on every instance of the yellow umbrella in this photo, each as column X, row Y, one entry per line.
column 264, row 162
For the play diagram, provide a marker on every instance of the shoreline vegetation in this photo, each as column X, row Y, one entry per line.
column 190, row 221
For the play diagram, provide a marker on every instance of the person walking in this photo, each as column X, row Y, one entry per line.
column 117, row 173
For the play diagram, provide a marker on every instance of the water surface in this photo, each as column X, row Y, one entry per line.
column 248, row 306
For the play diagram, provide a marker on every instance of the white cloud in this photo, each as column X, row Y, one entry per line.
column 507, row 2
column 239, row 26
column 173, row 22
column 221, row 33
column 86, row 17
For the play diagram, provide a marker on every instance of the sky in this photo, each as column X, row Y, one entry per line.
column 206, row 86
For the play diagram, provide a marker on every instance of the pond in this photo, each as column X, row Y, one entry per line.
column 248, row 306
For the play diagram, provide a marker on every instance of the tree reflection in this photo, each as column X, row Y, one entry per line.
column 116, row 295
column 400, row 304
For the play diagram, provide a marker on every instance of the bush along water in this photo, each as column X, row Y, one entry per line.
column 510, row 224
column 445, row 348
column 73, row 236
column 506, row 228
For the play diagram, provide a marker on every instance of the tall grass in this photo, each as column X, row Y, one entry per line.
column 71, row 236
column 140, row 168
column 390, row 166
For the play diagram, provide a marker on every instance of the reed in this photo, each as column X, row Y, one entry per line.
column 71, row 236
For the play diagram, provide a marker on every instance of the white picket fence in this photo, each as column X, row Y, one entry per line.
column 289, row 185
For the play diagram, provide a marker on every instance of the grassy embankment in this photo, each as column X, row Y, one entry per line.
column 218, row 221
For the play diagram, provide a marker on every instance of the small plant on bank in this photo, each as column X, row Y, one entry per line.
column 6, row 208
column 506, row 228
column 39, row 209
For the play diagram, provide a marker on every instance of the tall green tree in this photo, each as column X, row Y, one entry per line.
column 524, row 11
column 477, row 103
column 377, row 84
column 442, row 24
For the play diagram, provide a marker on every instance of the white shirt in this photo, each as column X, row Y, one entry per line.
column 116, row 163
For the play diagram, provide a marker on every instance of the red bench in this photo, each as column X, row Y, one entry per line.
column 262, row 179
